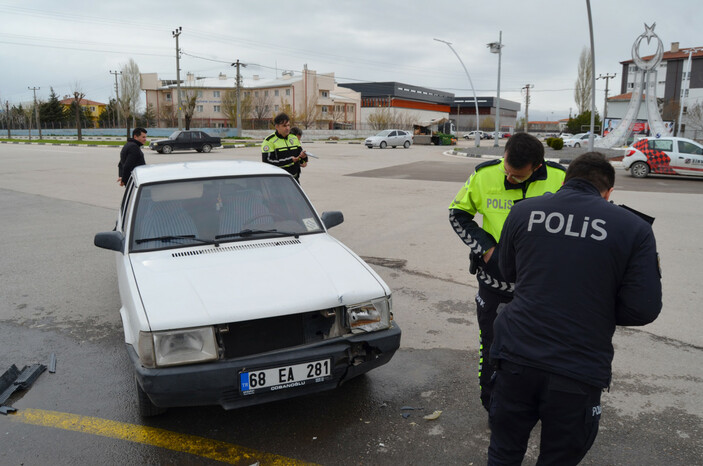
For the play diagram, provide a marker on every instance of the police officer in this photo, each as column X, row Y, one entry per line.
column 491, row 191
column 581, row 266
column 281, row 148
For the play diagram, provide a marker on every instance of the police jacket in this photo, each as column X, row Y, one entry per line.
column 581, row 266
column 131, row 156
column 278, row 150
column 489, row 193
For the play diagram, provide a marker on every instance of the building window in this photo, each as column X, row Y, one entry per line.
column 199, row 108
column 325, row 94
column 275, row 93
column 287, row 91
column 275, row 108
column 217, row 108
column 324, row 109
column 168, row 96
column 216, row 94
column 630, row 85
column 266, row 93
column 256, row 93
column 200, row 94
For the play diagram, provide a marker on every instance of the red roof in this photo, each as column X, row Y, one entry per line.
column 682, row 54
column 627, row 96
column 84, row 102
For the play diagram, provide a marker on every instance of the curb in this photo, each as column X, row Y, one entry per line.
column 451, row 153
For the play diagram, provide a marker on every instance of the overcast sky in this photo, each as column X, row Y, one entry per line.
column 75, row 44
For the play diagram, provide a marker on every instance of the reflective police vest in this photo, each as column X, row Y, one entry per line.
column 488, row 193
column 280, row 151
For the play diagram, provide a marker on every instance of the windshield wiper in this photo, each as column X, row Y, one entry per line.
column 169, row 238
column 249, row 232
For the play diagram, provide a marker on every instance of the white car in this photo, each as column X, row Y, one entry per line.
column 234, row 294
column 390, row 137
column 472, row 135
column 664, row 156
column 579, row 140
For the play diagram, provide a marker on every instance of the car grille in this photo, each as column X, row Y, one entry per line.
column 239, row 339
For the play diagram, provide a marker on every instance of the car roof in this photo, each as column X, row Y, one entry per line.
column 154, row 173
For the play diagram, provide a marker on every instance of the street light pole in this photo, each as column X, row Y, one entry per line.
column 36, row 108
column 497, row 47
column 176, row 33
column 592, row 136
column 477, row 137
column 688, row 65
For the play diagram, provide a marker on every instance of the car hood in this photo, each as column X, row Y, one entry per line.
column 159, row 141
column 239, row 281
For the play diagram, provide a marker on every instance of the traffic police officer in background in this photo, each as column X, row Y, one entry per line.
column 283, row 149
column 491, row 191
column 581, row 266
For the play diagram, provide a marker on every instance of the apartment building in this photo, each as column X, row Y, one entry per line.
column 313, row 100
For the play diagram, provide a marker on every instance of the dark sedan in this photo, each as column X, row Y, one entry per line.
column 186, row 140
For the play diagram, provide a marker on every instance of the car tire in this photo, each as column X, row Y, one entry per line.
column 639, row 170
column 407, row 144
column 206, row 148
column 167, row 150
column 146, row 407
column 394, row 147
column 382, row 145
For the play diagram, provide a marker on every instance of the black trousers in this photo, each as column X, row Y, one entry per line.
column 487, row 304
column 568, row 409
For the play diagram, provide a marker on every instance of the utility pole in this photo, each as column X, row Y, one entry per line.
column 239, row 99
column 607, row 78
column 527, row 106
column 36, row 108
column 684, row 89
column 117, row 96
column 176, row 33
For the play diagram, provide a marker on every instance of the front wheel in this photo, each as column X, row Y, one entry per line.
column 407, row 144
column 167, row 149
column 206, row 148
column 382, row 145
column 639, row 169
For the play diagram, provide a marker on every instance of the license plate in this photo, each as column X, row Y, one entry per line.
column 280, row 378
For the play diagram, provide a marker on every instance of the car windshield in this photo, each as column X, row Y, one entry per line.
column 187, row 213
column 383, row 133
column 174, row 135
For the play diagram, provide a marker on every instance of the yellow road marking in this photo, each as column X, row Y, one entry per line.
column 201, row 446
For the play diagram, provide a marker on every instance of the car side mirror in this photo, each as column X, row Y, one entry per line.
column 332, row 218
column 113, row 240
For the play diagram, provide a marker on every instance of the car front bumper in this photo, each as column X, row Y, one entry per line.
column 217, row 383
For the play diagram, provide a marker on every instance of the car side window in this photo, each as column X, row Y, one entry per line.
column 184, row 137
column 197, row 135
column 666, row 145
column 393, row 133
column 688, row 148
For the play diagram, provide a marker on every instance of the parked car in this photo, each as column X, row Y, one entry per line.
column 579, row 140
column 472, row 135
column 664, row 156
column 186, row 140
column 233, row 293
column 565, row 136
column 390, row 137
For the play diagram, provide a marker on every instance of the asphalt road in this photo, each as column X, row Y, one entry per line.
column 60, row 295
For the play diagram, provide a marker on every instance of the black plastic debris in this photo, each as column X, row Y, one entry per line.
column 13, row 380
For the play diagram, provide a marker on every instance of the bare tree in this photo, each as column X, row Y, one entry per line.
column 229, row 106
column 167, row 113
column 130, row 84
column 188, row 101
column 78, row 96
column 311, row 113
column 261, row 107
column 380, row 119
column 694, row 118
column 583, row 91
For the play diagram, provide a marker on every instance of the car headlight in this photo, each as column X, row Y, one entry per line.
column 177, row 347
column 370, row 316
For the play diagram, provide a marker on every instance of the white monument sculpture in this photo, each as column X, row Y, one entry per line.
column 645, row 79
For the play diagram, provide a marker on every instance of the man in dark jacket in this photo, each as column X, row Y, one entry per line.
column 131, row 155
column 581, row 266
